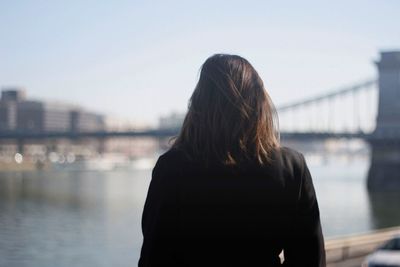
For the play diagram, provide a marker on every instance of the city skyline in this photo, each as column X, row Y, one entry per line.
column 141, row 61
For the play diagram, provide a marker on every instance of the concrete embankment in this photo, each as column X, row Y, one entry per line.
column 24, row 166
column 351, row 250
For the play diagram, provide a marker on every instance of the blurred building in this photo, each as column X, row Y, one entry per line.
column 19, row 114
column 84, row 121
column 114, row 123
column 171, row 121
column 8, row 107
column 13, row 94
column 37, row 116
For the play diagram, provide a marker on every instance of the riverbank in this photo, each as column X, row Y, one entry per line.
column 23, row 166
column 351, row 250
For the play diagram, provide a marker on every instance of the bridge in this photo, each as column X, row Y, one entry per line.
column 369, row 110
column 320, row 128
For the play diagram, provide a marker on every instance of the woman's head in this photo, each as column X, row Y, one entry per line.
column 231, row 118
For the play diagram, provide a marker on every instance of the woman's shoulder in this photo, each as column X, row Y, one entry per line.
column 291, row 154
column 290, row 159
column 171, row 160
column 172, row 155
column 283, row 153
column 286, row 158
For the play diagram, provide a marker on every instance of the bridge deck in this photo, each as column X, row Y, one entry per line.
column 165, row 133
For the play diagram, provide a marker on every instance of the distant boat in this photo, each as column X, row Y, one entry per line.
column 104, row 162
column 107, row 162
column 143, row 163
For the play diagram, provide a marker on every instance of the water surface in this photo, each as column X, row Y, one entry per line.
column 91, row 218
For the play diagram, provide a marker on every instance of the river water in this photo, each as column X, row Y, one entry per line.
column 92, row 218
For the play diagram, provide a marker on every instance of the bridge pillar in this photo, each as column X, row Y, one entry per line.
column 101, row 147
column 384, row 172
column 20, row 146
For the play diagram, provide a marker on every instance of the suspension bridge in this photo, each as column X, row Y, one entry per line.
column 342, row 113
column 319, row 117
column 369, row 110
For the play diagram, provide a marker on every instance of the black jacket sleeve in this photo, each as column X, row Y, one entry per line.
column 305, row 243
column 159, row 219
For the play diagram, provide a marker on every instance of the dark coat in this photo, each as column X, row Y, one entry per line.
column 231, row 216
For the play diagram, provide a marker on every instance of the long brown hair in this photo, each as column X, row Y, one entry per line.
column 231, row 118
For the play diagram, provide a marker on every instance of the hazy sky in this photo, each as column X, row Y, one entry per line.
column 139, row 60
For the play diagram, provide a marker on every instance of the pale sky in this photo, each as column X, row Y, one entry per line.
column 140, row 60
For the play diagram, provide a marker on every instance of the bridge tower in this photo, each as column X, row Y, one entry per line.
column 384, row 172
